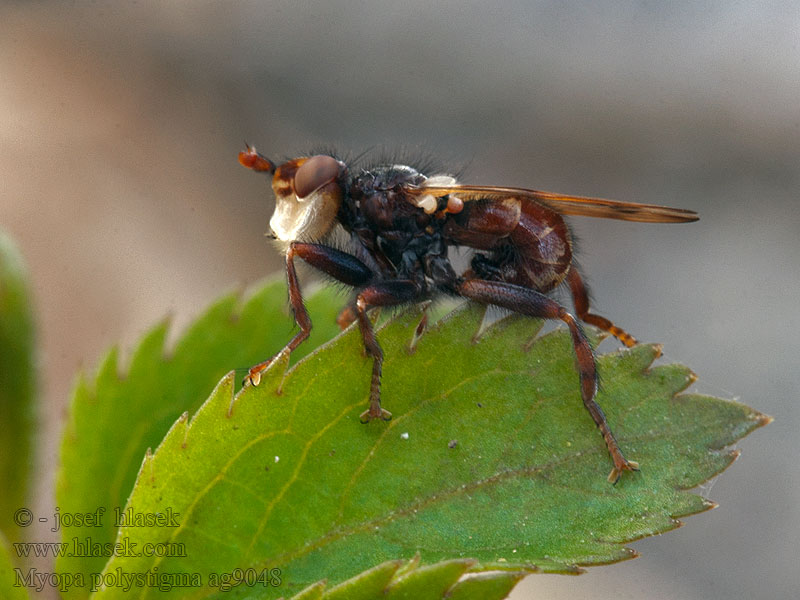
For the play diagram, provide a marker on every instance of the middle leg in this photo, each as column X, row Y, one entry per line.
column 384, row 293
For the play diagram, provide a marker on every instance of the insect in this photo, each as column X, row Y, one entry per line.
column 398, row 224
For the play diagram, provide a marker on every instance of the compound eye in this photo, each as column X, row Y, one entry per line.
column 315, row 173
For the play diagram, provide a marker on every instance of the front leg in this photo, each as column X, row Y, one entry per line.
column 344, row 267
column 535, row 304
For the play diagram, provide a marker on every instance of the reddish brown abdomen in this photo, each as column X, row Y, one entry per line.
column 530, row 243
column 542, row 245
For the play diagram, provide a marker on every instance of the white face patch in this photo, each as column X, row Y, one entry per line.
column 304, row 219
column 311, row 217
column 291, row 217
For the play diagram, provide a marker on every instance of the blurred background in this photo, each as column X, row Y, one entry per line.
column 120, row 125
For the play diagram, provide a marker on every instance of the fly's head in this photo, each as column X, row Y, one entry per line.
column 308, row 194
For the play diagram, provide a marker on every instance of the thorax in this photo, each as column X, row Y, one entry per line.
column 380, row 215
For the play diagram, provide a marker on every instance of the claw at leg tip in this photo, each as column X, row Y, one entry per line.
column 367, row 416
column 251, row 380
column 616, row 472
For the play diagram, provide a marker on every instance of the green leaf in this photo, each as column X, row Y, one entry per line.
column 369, row 584
column 17, row 386
column 117, row 417
column 399, row 579
column 490, row 457
column 8, row 577
column 482, row 586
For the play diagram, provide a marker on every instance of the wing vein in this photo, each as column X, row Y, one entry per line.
column 564, row 204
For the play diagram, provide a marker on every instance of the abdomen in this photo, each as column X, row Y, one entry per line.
column 526, row 243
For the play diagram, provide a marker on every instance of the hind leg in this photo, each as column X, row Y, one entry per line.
column 535, row 304
column 581, row 298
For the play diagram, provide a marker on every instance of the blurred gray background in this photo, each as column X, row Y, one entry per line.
column 120, row 124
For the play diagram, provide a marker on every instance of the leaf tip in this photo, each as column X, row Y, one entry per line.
column 165, row 325
column 482, row 326
column 110, row 367
column 184, row 419
column 235, row 395
column 601, row 335
column 409, row 566
column 420, row 330
column 761, row 419
column 240, row 302
column 314, row 591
